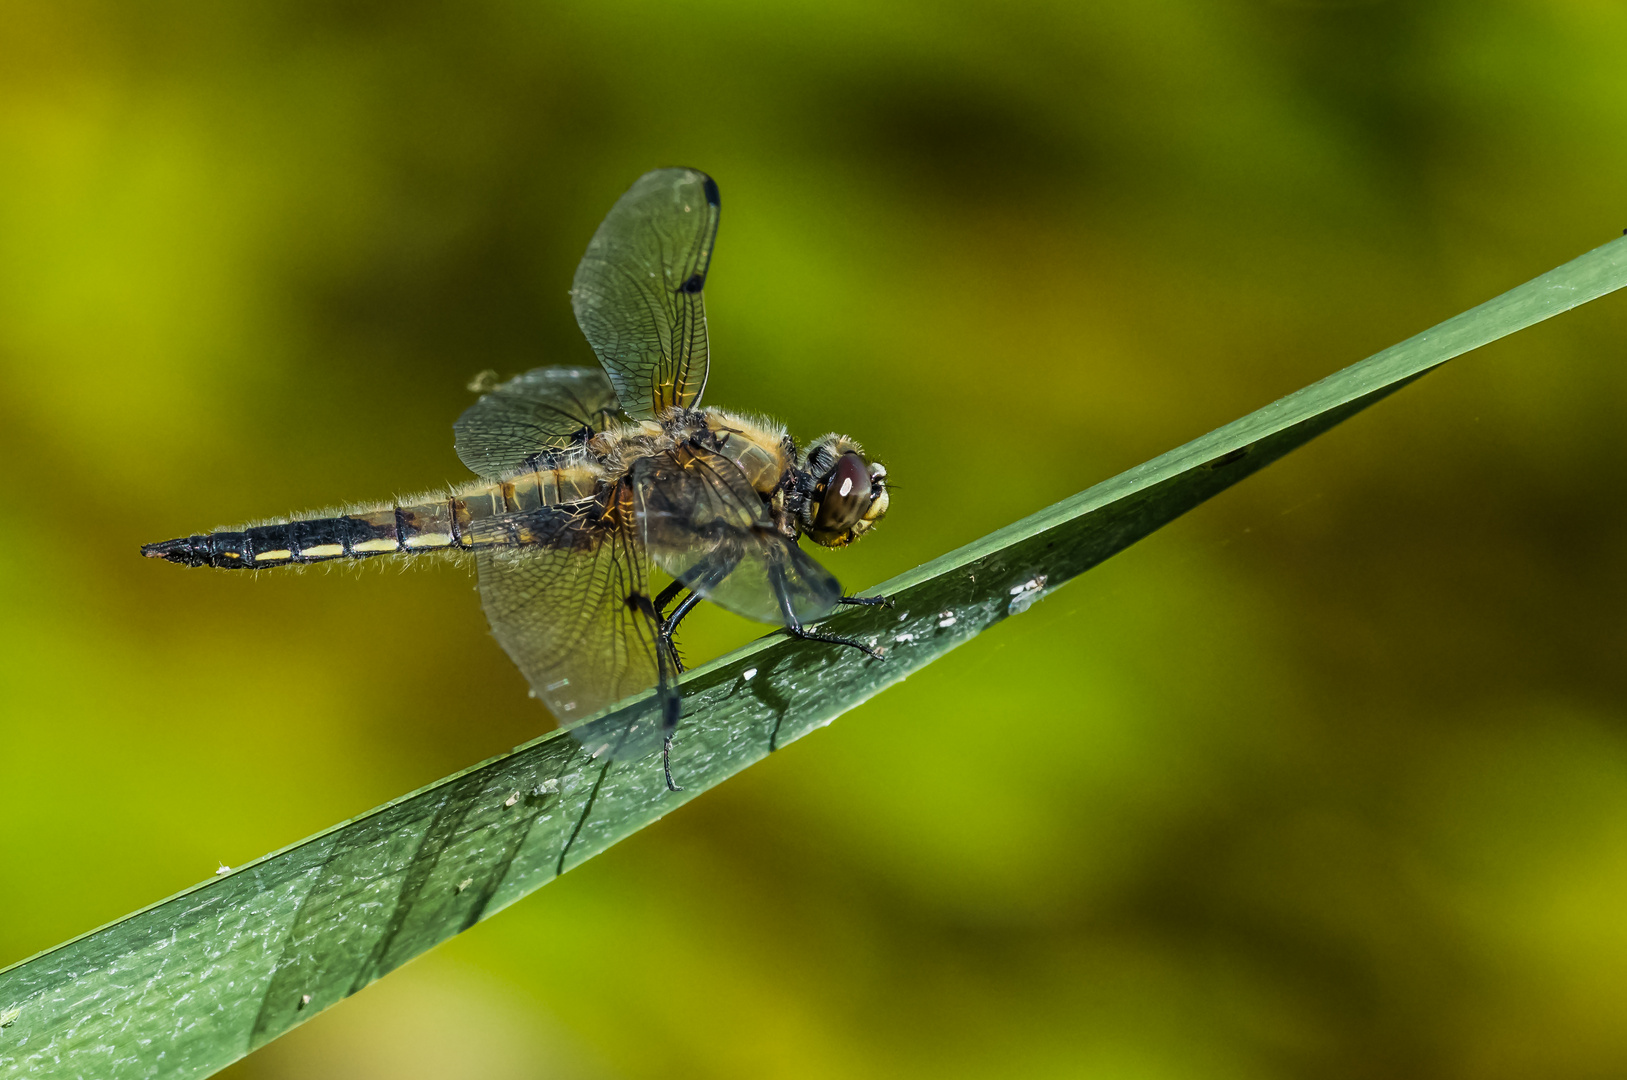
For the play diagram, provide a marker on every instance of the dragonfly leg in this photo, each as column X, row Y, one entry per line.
column 797, row 630
column 666, row 763
column 668, row 667
column 794, row 627
column 666, row 682
column 866, row 601
column 672, row 702
column 702, row 577
column 669, row 625
column 668, row 595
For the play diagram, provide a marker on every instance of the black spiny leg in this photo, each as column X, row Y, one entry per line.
column 672, row 704
column 797, row 630
column 669, row 626
column 666, row 683
column 703, row 576
column 866, row 601
column 668, row 595
column 669, row 653
column 794, row 627
column 666, row 762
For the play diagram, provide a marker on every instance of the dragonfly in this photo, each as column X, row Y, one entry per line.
column 592, row 479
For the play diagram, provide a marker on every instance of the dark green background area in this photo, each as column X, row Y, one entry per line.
column 1328, row 779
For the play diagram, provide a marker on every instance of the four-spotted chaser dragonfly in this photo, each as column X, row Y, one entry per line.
column 590, row 478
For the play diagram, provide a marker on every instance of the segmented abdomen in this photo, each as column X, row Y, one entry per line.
column 482, row 515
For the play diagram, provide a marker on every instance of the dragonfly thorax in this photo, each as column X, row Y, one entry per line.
column 831, row 493
column 759, row 448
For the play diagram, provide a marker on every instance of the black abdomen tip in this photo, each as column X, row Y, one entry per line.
column 224, row 550
column 186, row 551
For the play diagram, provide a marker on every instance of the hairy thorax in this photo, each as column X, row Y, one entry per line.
column 758, row 447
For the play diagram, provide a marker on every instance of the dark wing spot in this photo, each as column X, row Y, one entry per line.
column 695, row 284
column 711, row 193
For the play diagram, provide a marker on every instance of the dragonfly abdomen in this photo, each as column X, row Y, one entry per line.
column 477, row 516
column 361, row 535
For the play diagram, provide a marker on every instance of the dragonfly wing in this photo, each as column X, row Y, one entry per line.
column 637, row 293
column 702, row 522
column 556, row 590
column 544, row 409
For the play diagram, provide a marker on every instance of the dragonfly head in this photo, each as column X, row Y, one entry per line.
column 849, row 492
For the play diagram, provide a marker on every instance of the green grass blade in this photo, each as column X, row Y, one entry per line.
column 190, row 984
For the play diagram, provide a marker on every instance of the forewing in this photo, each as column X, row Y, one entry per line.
column 556, row 595
column 637, row 294
column 546, row 408
column 705, row 525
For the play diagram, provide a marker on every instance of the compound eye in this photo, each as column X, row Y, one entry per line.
column 847, row 495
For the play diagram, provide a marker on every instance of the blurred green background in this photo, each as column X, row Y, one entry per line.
column 1328, row 779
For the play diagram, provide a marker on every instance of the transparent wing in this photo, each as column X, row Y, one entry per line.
column 557, row 597
column 703, row 524
column 637, row 294
column 546, row 408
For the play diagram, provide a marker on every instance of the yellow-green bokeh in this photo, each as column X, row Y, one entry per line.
column 1328, row 779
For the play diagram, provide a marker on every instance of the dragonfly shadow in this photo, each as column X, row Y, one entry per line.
column 761, row 686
